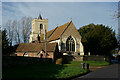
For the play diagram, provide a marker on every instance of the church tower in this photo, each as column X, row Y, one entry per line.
column 38, row 27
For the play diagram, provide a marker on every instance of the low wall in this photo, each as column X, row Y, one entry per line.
column 83, row 58
column 8, row 61
column 94, row 58
column 78, row 58
column 35, row 54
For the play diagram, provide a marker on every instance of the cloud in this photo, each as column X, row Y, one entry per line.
column 14, row 10
column 60, row 13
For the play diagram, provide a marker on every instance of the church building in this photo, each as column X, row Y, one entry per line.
column 65, row 38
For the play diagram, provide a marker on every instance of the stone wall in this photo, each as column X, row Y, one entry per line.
column 83, row 58
column 35, row 54
column 78, row 58
column 88, row 58
column 94, row 58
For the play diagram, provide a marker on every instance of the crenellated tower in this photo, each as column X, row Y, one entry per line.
column 38, row 27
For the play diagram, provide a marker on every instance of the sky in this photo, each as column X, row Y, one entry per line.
column 60, row 0
column 82, row 13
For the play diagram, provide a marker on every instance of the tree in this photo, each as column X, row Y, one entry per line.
column 118, row 24
column 26, row 27
column 98, row 39
column 18, row 31
column 116, row 16
column 10, row 30
column 5, row 42
column 0, row 40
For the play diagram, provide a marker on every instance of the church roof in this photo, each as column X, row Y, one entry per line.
column 35, row 47
column 59, row 30
column 55, row 34
column 48, row 35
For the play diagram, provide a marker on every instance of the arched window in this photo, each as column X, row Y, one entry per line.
column 70, row 44
column 41, row 26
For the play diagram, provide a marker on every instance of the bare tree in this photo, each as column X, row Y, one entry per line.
column 10, row 29
column 16, row 32
column 118, row 9
column 14, row 23
column 26, row 27
column 116, row 16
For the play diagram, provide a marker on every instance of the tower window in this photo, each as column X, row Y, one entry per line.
column 41, row 26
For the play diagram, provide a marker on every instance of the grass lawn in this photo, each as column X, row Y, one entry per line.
column 45, row 71
column 49, row 71
column 91, row 63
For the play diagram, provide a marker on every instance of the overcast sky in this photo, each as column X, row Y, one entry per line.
column 82, row 13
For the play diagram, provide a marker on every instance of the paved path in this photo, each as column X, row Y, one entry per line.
column 111, row 72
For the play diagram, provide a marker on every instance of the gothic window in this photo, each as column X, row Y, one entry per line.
column 70, row 44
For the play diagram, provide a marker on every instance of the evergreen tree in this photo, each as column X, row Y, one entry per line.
column 98, row 39
column 5, row 42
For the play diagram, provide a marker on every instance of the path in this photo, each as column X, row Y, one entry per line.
column 111, row 72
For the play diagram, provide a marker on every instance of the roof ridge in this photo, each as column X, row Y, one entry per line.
column 67, row 27
column 58, row 27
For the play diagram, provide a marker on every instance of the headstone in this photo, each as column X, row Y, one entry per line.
column 83, row 65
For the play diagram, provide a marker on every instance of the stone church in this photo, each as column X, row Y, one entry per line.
column 64, row 39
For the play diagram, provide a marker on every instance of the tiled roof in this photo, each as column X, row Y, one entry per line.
column 48, row 35
column 59, row 30
column 33, row 47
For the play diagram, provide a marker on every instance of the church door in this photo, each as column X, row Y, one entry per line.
column 70, row 44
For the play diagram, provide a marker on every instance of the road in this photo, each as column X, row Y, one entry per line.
column 111, row 72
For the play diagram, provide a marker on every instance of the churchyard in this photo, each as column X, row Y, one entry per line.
column 35, row 70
